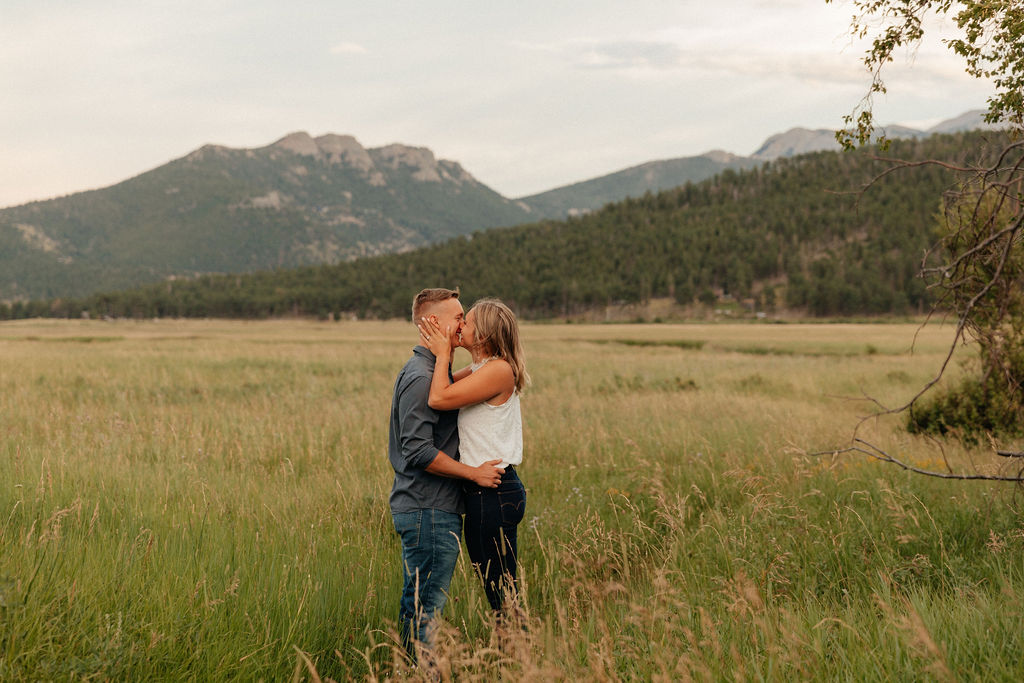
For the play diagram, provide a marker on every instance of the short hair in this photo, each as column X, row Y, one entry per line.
column 431, row 296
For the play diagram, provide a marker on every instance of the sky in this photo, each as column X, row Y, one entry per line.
column 527, row 95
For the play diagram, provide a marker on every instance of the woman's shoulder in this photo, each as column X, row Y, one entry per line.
column 497, row 369
column 498, row 364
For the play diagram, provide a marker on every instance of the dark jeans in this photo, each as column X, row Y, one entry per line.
column 430, row 547
column 492, row 516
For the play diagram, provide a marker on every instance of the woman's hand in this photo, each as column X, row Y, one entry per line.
column 434, row 338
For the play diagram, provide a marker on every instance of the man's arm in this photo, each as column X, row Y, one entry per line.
column 416, row 421
column 487, row 475
column 416, row 440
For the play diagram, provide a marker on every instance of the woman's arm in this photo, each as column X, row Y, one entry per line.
column 493, row 379
column 490, row 381
column 440, row 344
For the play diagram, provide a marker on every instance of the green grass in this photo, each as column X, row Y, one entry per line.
column 208, row 501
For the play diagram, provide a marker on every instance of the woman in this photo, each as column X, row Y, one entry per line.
column 490, row 427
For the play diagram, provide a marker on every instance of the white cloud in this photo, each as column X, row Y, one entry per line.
column 630, row 55
column 348, row 48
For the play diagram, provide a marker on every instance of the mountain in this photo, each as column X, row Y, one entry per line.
column 588, row 195
column 304, row 201
column 792, row 234
column 801, row 140
column 654, row 176
column 796, row 141
column 298, row 201
column 972, row 120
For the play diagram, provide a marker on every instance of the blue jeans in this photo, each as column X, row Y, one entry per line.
column 430, row 547
column 492, row 518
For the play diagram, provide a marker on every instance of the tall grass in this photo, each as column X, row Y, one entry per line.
column 208, row 501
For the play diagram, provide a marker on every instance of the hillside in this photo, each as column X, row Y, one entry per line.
column 299, row 201
column 654, row 176
column 789, row 234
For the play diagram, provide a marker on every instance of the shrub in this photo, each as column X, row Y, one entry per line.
column 973, row 409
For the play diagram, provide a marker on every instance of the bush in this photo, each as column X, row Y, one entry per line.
column 970, row 411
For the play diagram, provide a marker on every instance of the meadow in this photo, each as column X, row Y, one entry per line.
column 207, row 501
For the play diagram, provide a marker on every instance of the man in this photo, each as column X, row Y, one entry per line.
column 426, row 498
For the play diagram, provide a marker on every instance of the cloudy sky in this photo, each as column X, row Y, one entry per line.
column 526, row 95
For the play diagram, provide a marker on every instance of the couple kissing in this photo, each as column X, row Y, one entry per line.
column 454, row 441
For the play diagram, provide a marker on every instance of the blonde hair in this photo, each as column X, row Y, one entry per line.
column 498, row 331
column 428, row 297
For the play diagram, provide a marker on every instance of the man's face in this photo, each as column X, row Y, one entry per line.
column 449, row 314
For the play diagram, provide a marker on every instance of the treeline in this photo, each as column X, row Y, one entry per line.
column 795, row 233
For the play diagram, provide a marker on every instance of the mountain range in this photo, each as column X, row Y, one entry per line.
column 654, row 176
column 304, row 201
column 791, row 237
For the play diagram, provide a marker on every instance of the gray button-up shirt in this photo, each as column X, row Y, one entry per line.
column 416, row 434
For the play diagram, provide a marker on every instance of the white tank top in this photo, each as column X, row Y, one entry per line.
column 489, row 432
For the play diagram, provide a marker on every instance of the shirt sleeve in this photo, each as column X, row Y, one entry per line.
column 416, row 424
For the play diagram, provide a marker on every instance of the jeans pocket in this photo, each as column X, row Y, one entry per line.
column 512, row 506
column 407, row 526
column 446, row 531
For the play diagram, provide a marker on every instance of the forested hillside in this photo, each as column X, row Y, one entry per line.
column 653, row 176
column 300, row 201
column 663, row 175
column 793, row 233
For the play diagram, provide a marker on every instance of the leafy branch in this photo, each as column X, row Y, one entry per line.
column 975, row 269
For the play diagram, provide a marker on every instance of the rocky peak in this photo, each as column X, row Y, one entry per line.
column 344, row 149
column 334, row 149
column 452, row 170
column 420, row 159
column 207, row 151
column 298, row 143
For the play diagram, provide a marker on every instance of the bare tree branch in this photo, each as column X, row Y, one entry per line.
column 876, row 453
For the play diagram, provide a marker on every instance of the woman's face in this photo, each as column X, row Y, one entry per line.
column 468, row 334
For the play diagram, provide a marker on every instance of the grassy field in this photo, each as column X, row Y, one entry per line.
column 208, row 501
